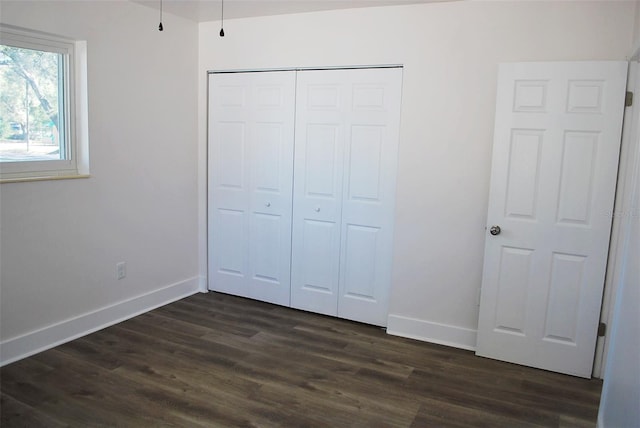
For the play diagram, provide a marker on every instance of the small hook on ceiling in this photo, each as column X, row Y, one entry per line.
column 222, row 20
column 160, row 27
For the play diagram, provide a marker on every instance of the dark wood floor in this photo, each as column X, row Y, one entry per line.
column 215, row 360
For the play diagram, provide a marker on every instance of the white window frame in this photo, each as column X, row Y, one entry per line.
column 76, row 118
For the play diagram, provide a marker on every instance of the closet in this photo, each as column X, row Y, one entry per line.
column 301, row 187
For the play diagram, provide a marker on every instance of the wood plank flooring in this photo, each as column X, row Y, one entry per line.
column 213, row 360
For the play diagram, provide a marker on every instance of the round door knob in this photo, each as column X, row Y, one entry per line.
column 317, row 209
column 495, row 230
column 268, row 204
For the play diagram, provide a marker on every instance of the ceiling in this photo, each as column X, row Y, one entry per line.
column 209, row 10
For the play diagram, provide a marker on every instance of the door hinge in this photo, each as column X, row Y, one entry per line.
column 602, row 329
column 628, row 99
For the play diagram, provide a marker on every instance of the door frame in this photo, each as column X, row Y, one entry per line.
column 319, row 68
column 629, row 146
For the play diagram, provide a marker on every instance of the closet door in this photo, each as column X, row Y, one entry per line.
column 347, row 129
column 321, row 123
column 251, row 119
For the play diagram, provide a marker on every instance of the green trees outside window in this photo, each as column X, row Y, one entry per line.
column 31, row 100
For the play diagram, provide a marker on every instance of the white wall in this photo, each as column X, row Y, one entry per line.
column 450, row 52
column 60, row 240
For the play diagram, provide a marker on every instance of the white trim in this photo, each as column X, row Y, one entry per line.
column 81, row 108
column 621, row 216
column 336, row 67
column 203, row 284
column 56, row 334
column 428, row 331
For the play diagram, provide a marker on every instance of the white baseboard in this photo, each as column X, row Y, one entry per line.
column 427, row 331
column 53, row 335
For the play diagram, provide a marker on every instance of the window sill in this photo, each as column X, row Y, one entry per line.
column 43, row 178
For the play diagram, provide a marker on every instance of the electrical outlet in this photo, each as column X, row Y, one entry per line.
column 121, row 270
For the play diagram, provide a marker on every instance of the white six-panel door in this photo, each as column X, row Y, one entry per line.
column 347, row 131
column 555, row 158
column 251, row 125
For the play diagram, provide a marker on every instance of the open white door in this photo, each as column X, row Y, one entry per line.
column 555, row 160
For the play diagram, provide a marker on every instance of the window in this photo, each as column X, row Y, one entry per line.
column 43, row 107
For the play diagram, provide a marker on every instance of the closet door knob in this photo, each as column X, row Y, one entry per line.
column 268, row 204
column 317, row 209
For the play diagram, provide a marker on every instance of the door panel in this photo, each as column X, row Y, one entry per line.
column 364, row 163
column 360, row 258
column 265, row 230
column 580, row 150
column 322, row 158
column 265, row 157
column 250, row 183
column 369, row 196
column 315, row 272
column 555, row 155
column 347, row 125
column 232, row 149
column 318, row 168
column 523, row 174
column 231, row 259
column 567, row 279
column 515, row 264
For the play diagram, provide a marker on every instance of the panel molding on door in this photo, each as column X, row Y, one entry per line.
column 347, row 131
column 555, row 157
column 251, row 120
